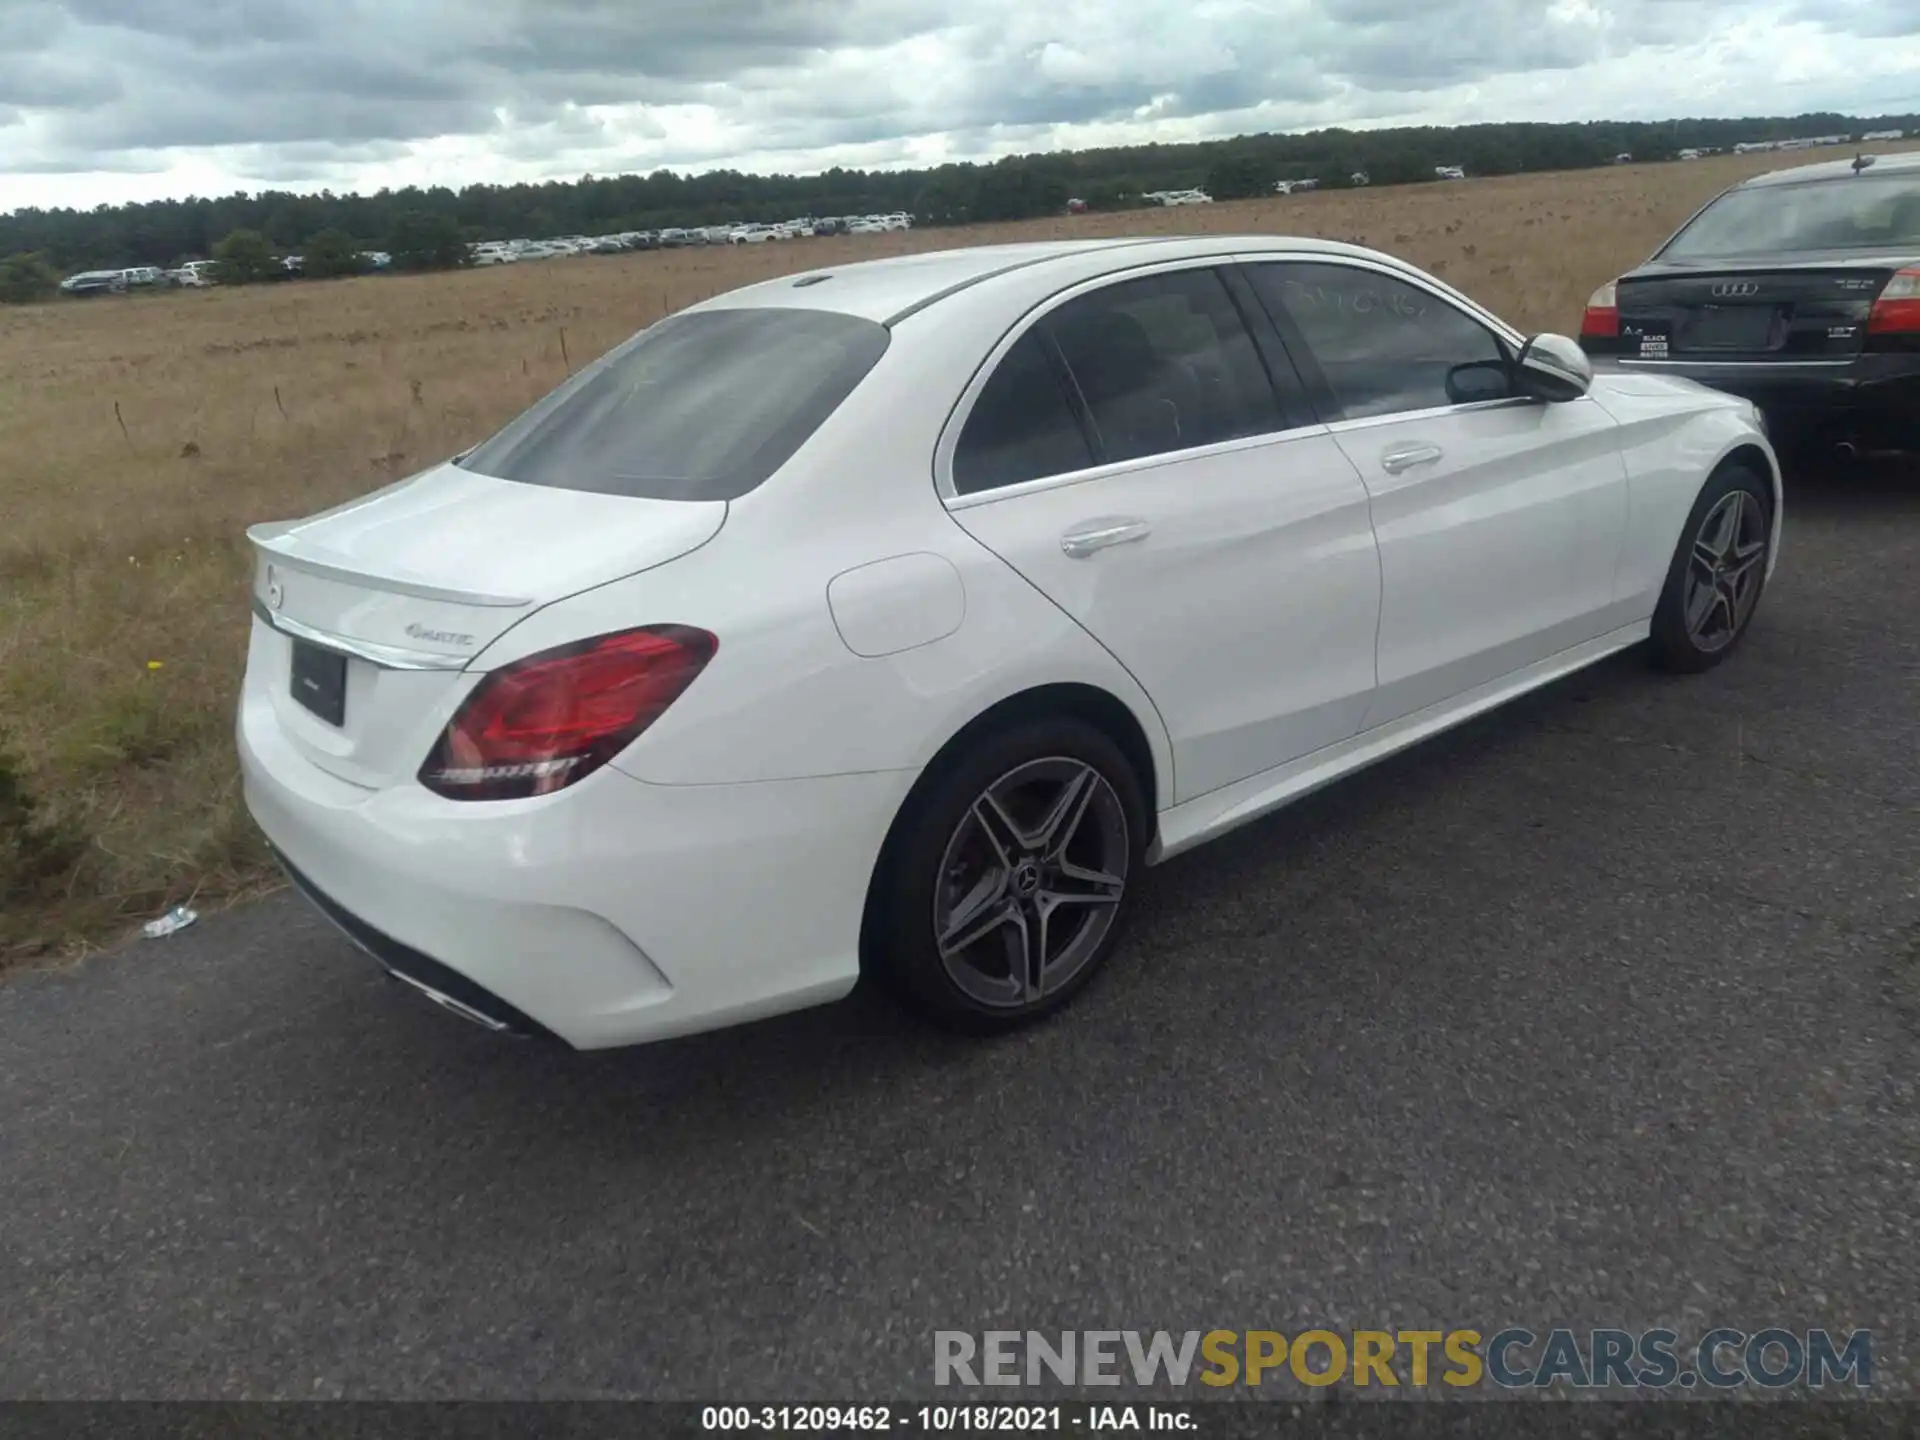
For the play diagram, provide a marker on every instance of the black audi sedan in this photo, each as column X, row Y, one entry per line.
column 1799, row 290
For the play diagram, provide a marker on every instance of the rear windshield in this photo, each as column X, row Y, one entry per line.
column 698, row 407
column 1858, row 212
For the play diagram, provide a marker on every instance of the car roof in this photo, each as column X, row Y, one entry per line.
column 889, row 290
column 1899, row 162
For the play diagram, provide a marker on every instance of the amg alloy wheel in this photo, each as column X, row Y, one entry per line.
column 1717, row 574
column 1030, row 882
column 1005, row 884
column 1724, row 571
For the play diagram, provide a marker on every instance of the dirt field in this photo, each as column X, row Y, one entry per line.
column 139, row 437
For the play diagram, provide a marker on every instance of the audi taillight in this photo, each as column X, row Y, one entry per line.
column 542, row 723
column 1602, row 320
column 1897, row 311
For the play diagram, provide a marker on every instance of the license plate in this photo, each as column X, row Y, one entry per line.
column 1730, row 327
column 1645, row 339
column 320, row 681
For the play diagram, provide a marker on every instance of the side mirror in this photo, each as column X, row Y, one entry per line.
column 1553, row 368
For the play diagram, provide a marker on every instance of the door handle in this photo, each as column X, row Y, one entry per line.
column 1405, row 458
column 1099, row 534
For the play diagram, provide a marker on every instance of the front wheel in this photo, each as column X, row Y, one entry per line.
column 1007, row 884
column 1714, row 583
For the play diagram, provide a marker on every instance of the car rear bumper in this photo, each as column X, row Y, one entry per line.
column 1873, row 395
column 445, row 986
column 611, row 913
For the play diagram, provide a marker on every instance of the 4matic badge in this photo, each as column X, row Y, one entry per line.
column 439, row 637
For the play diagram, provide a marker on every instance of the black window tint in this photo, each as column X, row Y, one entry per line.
column 698, row 407
column 1021, row 427
column 1164, row 363
column 1384, row 346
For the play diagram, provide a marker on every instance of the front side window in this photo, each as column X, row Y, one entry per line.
column 701, row 406
column 1384, row 346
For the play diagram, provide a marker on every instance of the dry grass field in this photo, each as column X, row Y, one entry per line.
column 140, row 437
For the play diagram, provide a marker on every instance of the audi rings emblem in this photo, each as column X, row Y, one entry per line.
column 1735, row 289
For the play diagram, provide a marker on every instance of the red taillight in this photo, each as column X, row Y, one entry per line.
column 1602, row 320
column 1897, row 311
column 542, row 723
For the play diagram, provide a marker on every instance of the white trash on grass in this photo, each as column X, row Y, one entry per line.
column 177, row 918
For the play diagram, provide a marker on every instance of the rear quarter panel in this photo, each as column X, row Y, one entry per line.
column 787, row 697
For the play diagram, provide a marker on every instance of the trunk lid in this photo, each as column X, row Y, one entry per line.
column 1804, row 308
column 372, row 611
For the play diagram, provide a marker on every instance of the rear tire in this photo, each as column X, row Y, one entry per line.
column 1007, row 881
column 1717, row 575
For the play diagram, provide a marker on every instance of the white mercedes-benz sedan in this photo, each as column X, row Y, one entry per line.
column 888, row 619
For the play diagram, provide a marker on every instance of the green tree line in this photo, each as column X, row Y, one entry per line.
column 427, row 226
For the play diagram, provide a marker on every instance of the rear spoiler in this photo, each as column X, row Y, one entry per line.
column 279, row 541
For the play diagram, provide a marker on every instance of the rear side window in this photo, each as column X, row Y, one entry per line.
column 1164, row 364
column 703, row 406
column 1861, row 212
column 1153, row 365
column 1021, row 427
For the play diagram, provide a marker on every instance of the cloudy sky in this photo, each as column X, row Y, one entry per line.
column 113, row 100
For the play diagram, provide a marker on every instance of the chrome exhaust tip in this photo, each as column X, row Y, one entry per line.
column 448, row 1003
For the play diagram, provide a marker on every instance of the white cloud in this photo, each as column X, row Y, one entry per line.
column 110, row 100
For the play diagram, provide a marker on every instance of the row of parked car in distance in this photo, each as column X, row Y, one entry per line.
column 1358, row 178
column 507, row 252
column 194, row 275
column 115, row 282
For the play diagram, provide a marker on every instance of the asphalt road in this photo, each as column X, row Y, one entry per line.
column 1602, row 1011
